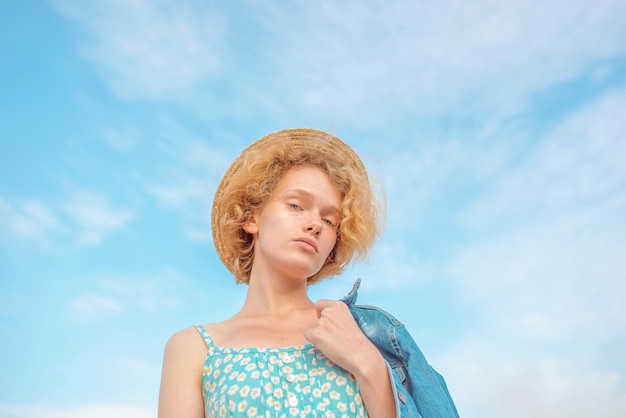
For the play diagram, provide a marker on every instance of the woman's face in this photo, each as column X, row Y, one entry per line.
column 297, row 228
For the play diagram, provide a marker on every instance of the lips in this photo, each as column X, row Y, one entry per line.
column 308, row 241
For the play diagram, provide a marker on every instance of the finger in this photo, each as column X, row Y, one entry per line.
column 322, row 304
column 308, row 334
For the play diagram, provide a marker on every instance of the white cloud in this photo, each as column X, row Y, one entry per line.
column 547, row 270
column 149, row 294
column 579, row 165
column 490, row 379
column 86, row 217
column 122, row 139
column 415, row 175
column 350, row 59
column 114, row 294
column 149, row 48
column 542, row 257
column 27, row 219
column 186, row 182
column 94, row 216
column 91, row 303
column 354, row 56
column 393, row 266
column 92, row 411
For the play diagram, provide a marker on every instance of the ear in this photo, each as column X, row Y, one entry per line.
column 251, row 226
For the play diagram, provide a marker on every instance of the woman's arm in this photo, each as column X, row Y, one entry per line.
column 181, row 388
column 339, row 337
column 372, row 377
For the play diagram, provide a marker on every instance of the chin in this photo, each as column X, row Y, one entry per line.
column 305, row 272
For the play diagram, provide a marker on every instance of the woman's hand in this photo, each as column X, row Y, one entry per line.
column 338, row 336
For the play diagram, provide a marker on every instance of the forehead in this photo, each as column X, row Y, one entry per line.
column 311, row 182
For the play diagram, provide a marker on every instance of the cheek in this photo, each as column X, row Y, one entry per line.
column 331, row 256
column 330, row 243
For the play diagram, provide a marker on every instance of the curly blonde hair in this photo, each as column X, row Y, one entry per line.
column 251, row 179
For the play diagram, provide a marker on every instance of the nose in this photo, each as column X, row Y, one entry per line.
column 314, row 226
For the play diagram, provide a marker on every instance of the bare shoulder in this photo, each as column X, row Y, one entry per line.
column 179, row 395
column 187, row 335
column 184, row 356
column 216, row 331
column 187, row 343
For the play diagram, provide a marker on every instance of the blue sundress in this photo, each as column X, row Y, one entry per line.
column 276, row 383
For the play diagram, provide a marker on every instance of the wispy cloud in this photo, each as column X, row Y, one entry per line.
column 84, row 218
column 393, row 266
column 187, row 179
column 27, row 219
column 94, row 216
column 578, row 166
column 115, row 295
column 426, row 170
column 516, row 192
column 430, row 57
column 91, row 303
column 493, row 380
column 547, row 269
column 348, row 59
column 122, row 139
column 148, row 49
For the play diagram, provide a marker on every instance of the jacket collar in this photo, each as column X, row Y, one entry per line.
column 350, row 298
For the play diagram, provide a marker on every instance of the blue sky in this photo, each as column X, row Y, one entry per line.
column 496, row 129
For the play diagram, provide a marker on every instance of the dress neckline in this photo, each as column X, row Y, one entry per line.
column 287, row 349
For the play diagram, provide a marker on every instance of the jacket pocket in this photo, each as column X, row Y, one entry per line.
column 399, row 371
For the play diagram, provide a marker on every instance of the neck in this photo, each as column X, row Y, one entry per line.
column 275, row 296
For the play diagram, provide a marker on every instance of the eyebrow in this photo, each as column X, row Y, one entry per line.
column 308, row 195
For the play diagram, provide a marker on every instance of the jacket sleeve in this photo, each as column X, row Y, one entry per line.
column 416, row 385
column 419, row 391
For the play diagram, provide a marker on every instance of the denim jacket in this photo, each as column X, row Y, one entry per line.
column 419, row 391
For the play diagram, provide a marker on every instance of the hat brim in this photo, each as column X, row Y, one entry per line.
column 317, row 139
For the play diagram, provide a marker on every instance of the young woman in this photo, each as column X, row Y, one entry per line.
column 294, row 208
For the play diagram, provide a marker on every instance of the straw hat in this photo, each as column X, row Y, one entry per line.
column 299, row 137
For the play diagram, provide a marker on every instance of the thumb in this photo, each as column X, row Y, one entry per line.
column 308, row 334
column 322, row 304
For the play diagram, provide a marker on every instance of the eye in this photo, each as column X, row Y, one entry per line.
column 293, row 206
column 328, row 222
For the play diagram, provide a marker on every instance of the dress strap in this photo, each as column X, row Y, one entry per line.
column 205, row 335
